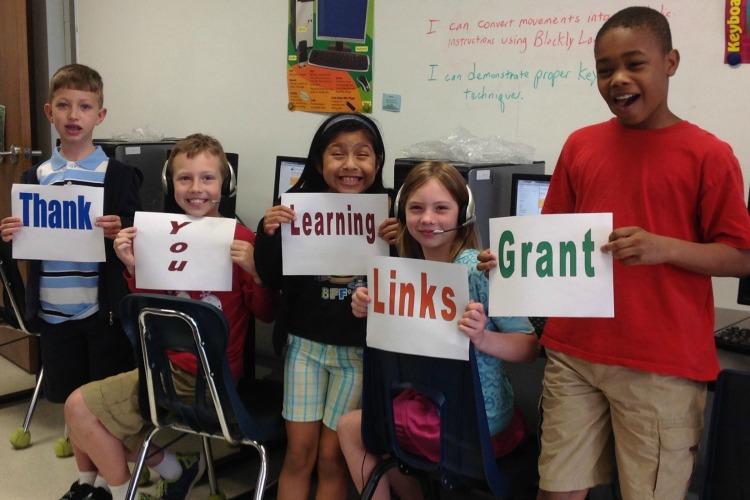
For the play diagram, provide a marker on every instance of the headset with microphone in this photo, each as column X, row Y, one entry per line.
column 228, row 186
column 466, row 213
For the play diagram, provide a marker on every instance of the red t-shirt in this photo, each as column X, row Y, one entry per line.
column 681, row 182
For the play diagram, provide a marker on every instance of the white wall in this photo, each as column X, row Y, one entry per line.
column 183, row 66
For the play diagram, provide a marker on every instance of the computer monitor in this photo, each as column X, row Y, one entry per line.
column 288, row 171
column 340, row 22
column 343, row 23
column 743, row 291
column 527, row 193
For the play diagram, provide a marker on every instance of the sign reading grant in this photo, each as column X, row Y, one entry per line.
column 415, row 307
column 333, row 233
column 551, row 265
column 58, row 222
column 180, row 252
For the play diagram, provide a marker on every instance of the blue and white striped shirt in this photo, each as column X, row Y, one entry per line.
column 69, row 290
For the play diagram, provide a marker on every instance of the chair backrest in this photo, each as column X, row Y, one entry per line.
column 728, row 447
column 466, row 455
column 160, row 324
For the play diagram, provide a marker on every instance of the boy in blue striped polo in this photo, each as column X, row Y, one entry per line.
column 77, row 302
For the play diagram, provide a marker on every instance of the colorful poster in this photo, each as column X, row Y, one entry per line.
column 329, row 59
column 737, row 44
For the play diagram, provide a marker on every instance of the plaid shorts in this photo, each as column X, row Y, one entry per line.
column 321, row 381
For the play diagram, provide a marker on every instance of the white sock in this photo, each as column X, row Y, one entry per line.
column 169, row 468
column 119, row 492
column 100, row 482
column 87, row 477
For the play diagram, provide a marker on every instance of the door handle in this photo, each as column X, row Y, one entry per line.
column 15, row 151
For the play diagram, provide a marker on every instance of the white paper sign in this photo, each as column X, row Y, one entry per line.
column 333, row 234
column 551, row 265
column 58, row 222
column 415, row 307
column 180, row 252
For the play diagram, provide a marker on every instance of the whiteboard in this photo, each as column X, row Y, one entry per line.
column 183, row 66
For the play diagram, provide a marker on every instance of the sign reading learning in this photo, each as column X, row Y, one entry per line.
column 551, row 265
column 58, row 222
column 333, row 233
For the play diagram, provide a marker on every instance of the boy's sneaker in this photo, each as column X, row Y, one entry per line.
column 193, row 465
column 79, row 491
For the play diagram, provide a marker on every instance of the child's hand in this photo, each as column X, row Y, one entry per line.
column 487, row 260
column 242, row 254
column 472, row 323
column 124, row 248
column 388, row 230
column 275, row 216
column 360, row 299
column 111, row 225
column 9, row 227
column 634, row 245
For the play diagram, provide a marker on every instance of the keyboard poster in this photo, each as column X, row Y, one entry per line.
column 329, row 57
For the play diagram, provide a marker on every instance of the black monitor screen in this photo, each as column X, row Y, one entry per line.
column 743, row 292
column 528, row 192
column 342, row 21
column 288, row 171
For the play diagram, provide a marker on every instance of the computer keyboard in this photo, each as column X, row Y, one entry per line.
column 538, row 323
column 338, row 59
column 733, row 338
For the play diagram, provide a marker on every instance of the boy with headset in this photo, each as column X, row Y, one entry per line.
column 106, row 427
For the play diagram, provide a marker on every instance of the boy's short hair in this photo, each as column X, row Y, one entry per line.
column 77, row 77
column 640, row 17
column 196, row 144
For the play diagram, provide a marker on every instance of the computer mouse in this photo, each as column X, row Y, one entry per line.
column 362, row 79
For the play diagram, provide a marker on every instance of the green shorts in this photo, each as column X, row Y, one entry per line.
column 321, row 381
column 592, row 413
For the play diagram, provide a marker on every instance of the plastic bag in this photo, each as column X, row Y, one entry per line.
column 141, row 134
column 463, row 146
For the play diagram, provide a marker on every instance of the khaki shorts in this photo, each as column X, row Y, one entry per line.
column 594, row 415
column 114, row 401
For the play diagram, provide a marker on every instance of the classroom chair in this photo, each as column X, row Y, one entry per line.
column 466, row 461
column 727, row 473
column 14, row 304
column 157, row 324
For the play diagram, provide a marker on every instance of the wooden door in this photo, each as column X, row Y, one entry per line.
column 15, row 95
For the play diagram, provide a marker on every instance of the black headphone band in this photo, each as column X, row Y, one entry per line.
column 466, row 213
column 228, row 186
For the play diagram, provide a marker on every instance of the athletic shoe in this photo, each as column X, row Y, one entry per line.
column 79, row 491
column 193, row 465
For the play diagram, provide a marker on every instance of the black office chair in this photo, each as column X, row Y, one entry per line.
column 160, row 323
column 728, row 447
column 14, row 314
column 466, row 457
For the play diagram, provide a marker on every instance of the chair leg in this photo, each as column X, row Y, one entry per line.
column 139, row 463
column 369, row 490
column 213, row 484
column 21, row 437
column 260, row 484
